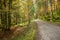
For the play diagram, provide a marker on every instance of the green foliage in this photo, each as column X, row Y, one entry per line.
column 13, row 12
column 27, row 34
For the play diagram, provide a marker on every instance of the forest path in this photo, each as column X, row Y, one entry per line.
column 47, row 31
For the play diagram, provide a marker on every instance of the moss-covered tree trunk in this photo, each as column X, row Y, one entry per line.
column 9, row 14
column 5, row 14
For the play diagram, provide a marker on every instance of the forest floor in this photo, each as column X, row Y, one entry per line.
column 47, row 31
column 19, row 32
column 6, row 35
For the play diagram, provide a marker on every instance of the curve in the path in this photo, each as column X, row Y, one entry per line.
column 47, row 31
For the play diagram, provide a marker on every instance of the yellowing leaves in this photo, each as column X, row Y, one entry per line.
column 42, row 9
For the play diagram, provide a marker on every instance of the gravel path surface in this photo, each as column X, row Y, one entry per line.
column 47, row 31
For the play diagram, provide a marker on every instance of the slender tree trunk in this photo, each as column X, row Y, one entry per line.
column 37, row 9
column 51, row 10
column 9, row 14
column 28, row 14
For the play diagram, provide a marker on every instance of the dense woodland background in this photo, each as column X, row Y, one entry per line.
column 22, row 12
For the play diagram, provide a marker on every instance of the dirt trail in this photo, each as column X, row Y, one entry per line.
column 47, row 31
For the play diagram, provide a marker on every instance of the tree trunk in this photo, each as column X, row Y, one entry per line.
column 51, row 10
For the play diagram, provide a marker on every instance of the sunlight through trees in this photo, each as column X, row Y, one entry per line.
column 14, row 12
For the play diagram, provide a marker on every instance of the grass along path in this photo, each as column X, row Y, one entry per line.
column 27, row 34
